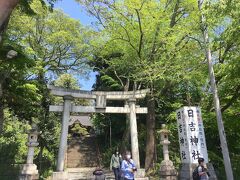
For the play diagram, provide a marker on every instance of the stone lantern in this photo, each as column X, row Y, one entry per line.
column 167, row 170
column 29, row 170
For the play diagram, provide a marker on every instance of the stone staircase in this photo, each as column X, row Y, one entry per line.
column 82, row 159
column 82, row 152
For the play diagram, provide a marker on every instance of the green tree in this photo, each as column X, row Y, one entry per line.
column 50, row 44
column 67, row 81
column 142, row 46
column 6, row 8
column 56, row 42
column 54, row 46
column 160, row 46
column 15, row 89
column 12, row 146
column 225, row 152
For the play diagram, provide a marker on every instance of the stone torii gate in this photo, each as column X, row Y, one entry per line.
column 100, row 98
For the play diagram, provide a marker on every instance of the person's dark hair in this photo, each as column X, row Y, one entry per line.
column 116, row 150
column 127, row 153
column 200, row 160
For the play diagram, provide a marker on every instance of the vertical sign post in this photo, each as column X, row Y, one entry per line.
column 191, row 135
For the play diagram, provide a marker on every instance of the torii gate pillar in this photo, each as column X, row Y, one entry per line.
column 64, row 133
column 134, row 132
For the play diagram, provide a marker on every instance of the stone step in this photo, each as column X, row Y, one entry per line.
column 81, row 162
column 79, row 165
column 84, row 169
column 86, row 174
column 81, row 155
column 80, row 176
column 78, row 154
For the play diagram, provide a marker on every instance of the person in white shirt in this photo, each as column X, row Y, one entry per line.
column 202, row 170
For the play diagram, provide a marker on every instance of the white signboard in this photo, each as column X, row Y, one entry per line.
column 191, row 135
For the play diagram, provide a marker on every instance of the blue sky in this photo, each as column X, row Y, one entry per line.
column 75, row 11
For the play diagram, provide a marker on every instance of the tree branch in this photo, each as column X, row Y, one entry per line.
column 141, row 34
column 175, row 13
column 115, row 72
column 198, row 41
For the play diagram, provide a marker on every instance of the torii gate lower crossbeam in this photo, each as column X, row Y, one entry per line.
column 100, row 107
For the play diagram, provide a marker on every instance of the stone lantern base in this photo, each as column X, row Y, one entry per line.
column 63, row 175
column 187, row 169
column 29, row 172
column 140, row 175
column 167, row 170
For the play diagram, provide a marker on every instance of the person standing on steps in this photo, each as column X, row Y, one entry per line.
column 202, row 170
column 128, row 167
column 115, row 165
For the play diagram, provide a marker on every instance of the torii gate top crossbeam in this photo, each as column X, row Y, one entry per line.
column 111, row 95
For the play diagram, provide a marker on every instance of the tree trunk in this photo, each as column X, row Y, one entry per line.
column 225, row 152
column 6, row 8
column 150, row 158
column 126, row 136
column 1, row 109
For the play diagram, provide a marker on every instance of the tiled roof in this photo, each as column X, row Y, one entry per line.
column 85, row 120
